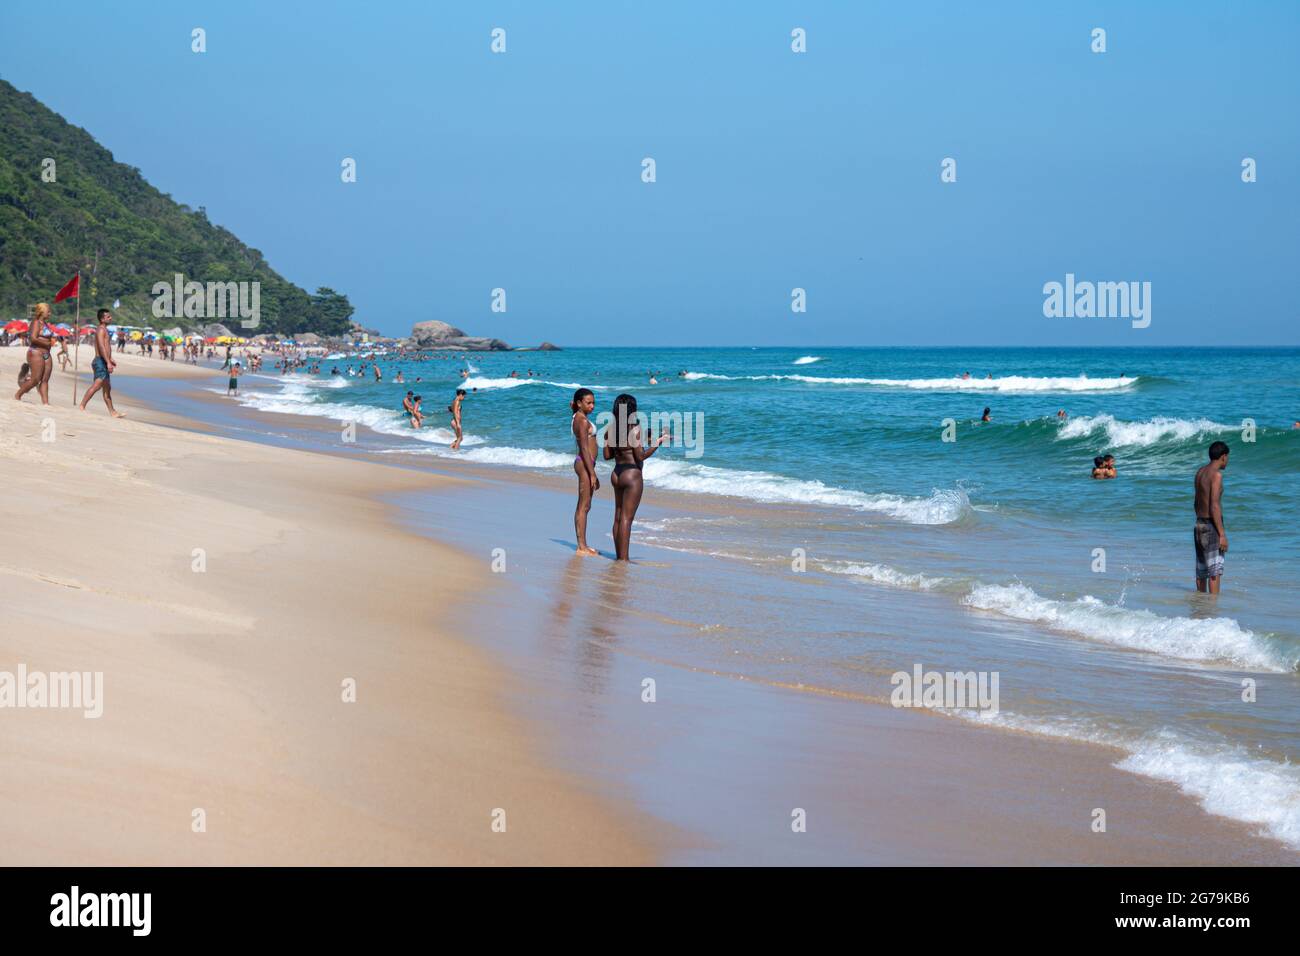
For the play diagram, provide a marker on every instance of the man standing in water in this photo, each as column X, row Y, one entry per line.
column 103, row 366
column 454, row 408
column 1210, row 539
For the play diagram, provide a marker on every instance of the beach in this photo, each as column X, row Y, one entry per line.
column 521, row 690
column 223, row 688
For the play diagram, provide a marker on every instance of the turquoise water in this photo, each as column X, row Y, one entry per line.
column 981, row 553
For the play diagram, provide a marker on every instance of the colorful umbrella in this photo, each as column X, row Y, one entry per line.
column 17, row 325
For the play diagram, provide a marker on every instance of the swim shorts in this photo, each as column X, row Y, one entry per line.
column 1209, row 559
column 100, row 368
column 234, row 383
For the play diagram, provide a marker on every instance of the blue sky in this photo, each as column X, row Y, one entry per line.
column 775, row 170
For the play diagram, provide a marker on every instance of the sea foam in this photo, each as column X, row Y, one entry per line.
column 1216, row 640
column 1228, row 783
column 1010, row 383
column 1120, row 434
column 942, row 506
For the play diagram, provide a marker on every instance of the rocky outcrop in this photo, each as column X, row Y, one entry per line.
column 216, row 330
column 440, row 335
column 548, row 347
column 307, row 338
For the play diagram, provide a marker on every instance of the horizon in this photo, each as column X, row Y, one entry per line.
column 526, row 175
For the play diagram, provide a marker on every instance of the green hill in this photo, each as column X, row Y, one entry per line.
column 101, row 216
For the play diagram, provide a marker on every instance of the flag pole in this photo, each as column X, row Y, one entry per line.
column 76, row 330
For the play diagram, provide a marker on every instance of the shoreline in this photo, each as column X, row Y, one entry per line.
column 223, row 690
column 1174, row 829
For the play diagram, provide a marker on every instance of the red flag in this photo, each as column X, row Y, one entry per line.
column 71, row 290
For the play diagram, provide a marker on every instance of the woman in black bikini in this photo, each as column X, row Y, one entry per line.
column 623, row 443
column 38, row 355
column 584, row 463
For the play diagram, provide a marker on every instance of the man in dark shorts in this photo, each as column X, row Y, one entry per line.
column 103, row 365
column 1210, row 540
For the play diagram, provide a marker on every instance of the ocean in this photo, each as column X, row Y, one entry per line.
column 842, row 515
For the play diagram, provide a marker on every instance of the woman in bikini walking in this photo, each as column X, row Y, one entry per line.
column 38, row 355
column 584, row 463
column 623, row 443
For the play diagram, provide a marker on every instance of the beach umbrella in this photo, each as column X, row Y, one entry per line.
column 210, row 340
column 59, row 331
column 89, row 330
column 136, row 335
column 17, row 325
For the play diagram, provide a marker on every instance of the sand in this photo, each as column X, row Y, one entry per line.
column 223, row 688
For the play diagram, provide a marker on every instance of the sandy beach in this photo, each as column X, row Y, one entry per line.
column 475, row 691
column 223, row 689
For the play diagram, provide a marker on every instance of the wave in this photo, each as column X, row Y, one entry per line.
column 807, row 360
column 883, row 574
column 520, row 457
column 490, row 455
column 941, row 507
column 1214, row 640
column 1008, row 384
column 1234, row 785
column 296, row 399
column 486, row 384
column 310, row 381
column 1121, row 434
column 1227, row 783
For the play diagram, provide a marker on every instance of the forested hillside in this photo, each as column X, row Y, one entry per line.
column 102, row 217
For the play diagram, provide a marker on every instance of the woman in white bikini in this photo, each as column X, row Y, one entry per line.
column 584, row 463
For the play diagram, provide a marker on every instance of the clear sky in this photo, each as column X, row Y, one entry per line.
column 775, row 170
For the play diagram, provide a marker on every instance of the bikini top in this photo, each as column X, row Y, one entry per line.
column 591, row 429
